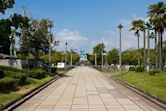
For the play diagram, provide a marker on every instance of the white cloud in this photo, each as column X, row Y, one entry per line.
column 74, row 39
column 129, row 40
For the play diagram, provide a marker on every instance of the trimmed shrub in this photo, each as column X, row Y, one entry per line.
column 20, row 77
column 8, row 68
column 154, row 71
column 8, row 83
column 2, row 75
column 53, row 69
column 132, row 69
column 140, row 69
column 37, row 74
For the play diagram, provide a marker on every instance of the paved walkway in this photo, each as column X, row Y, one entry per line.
column 85, row 89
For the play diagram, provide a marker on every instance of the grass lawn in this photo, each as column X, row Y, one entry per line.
column 154, row 85
column 30, row 84
column 107, row 70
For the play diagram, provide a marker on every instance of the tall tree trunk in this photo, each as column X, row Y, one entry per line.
column 156, row 51
column 160, row 51
column 138, row 51
column 144, row 48
column 161, row 58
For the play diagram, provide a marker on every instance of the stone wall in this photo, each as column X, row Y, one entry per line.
column 11, row 62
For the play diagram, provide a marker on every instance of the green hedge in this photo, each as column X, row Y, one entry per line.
column 132, row 69
column 20, row 77
column 8, row 83
column 8, row 68
column 37, row 74
column 154, row 71
column 139, row 69
column 2, row 75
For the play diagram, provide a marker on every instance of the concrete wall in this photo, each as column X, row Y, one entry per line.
column 11, row 62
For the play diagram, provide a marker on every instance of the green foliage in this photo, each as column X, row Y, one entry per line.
column 7, row 68
column 35, row 38
column 15, row 20
column 37, row 73
column 99, row 48
column 154, row 71
column 20, row 77
column 53, row 70
column 91, row 58
column 4, row 35
column 5, row 4
column 132, row 69
column 8, row 83
column 2, row 75
column 113, row 56
column 140, row 69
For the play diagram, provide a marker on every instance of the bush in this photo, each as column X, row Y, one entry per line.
column 8, row 68
column 139, row 69
column 8, row 83
column 37, row 74
column 2, row 75
column 53, row 69
column 154, row 71
column 20, row 77
column 132, row 69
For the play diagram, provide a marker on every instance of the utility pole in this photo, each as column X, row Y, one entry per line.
column 49, row 52
column 71, row 63
column 148, row 67
column 66, row 53
column 95, row 60
column 102, row 59
column 120, row 48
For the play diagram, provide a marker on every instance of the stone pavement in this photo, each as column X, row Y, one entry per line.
column 85, row 89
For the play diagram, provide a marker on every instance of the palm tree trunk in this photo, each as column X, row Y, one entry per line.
column 148, row 50
column 144, row 48
column 161, row 46
column 138, row 51
column 160, row 51
column 156, row 51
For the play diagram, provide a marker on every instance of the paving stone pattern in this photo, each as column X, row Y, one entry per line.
column 85, row 89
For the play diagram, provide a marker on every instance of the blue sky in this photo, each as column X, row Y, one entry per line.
column 84, row 23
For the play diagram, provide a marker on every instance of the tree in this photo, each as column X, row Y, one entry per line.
column 18, row 22
column 4, row 36
column 157, row 14
column 113, row 56
column 98, row 50
column 91, row 58
column 137, row 27
column 4, row 4
column 37, row 38
column 164, row 50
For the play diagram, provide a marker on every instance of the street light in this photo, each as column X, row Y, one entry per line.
column 95, row 60
column 148, row 27
column 120, row 48
column 66, row 53
column 49, row 52
column 71, row 57
column 102, row 59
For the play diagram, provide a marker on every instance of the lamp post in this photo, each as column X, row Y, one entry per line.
column 120, row 48
column 71, row 57
column 95, row 60
column 49, row 52
column 66, row 53
column 102, row 59
column 149, row 27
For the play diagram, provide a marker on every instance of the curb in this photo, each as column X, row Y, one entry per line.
column 11, row 105
column 151, row 98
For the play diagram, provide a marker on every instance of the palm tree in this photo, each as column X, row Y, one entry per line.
column 157, row 15
column 137, row 27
